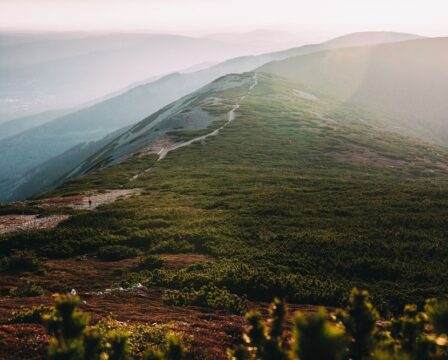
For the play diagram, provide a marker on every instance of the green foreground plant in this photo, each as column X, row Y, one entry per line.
column 72, row 339
column 352, row 334
column 207, row 296
column 27, row 287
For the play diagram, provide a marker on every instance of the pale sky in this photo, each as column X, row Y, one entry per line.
column 316, row 18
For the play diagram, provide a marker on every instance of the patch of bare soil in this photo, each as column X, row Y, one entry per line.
column 157, row 145
column 210, row 332
column 88, row 201
column 10, row 223
column 363, row 155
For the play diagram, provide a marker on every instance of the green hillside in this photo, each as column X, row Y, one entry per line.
column 404, row 83
column 296, row 197
column 34, row 154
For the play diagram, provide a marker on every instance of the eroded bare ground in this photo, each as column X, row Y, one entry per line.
column 210, row 332
column 157, row 145
column 9, row 223
column 81, row 202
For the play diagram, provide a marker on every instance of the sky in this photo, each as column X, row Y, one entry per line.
column 310, row 19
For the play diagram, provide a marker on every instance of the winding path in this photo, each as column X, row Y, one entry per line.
column 230, row 117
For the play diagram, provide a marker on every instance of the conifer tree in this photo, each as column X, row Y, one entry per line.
column 72, row 340
column 315, row 339
column 359, row 320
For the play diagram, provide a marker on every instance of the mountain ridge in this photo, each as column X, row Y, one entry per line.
column 133, row 105
column 405, row 81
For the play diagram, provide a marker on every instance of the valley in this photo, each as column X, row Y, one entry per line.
column 276, row 189
column 39, row 148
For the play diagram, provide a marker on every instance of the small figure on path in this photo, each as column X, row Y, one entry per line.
column 90, row 202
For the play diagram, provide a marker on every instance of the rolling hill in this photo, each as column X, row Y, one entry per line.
column 92, row 123
column 268, row 177
column 16, row 126
column 405, row 82
column 254, row 186
column 64, row 72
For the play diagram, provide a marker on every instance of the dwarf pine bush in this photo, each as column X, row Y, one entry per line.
column 359, row 319
column 27, row 287
column 30, row 315
column 140, row 337
column 207, row 296
column 353, row 334
column 116, row 252
column 316, row 339
column 72, row 339
column 20, row 261
column 150, row 262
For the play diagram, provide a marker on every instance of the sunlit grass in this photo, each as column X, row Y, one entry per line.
column 278, row 209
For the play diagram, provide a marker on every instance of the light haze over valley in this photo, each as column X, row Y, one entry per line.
column 174, row 172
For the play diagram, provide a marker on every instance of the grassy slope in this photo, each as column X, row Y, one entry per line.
column 278, row 204
column 406, row 81
column 91, row 123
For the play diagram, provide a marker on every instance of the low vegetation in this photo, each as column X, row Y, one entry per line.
column 256, row 282
column 280, row 213
column 116, row 252
column 354, row 334
column 27, row 287
column 141, row 338
column 21, row 261
column 72, row 338
column 150, row 262
column 31, row 315
column 207, row 296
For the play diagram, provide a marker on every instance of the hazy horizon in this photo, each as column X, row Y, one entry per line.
column 318, row 21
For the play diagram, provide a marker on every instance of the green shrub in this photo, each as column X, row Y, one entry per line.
column 255, row 282
column 116, row 252
column 207, row 296
column 359, row 320
column 172, row 247
column 20, row 261
column 150, row 262
column 61, row 250
column 438, row 315
column 30, row 315
column 173, row 351
column 316, row 339
column 415, row 335
column 28, row 288
column 72, row 339
column 409, row 331
column 140, row 337
column 313, row 337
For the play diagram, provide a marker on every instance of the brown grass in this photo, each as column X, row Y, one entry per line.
column 211, row 332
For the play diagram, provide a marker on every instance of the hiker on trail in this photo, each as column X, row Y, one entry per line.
column 90, row 202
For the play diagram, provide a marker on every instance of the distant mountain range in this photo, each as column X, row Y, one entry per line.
column 216, row 191
column 91, row 124
column 40, row 74
column 376, row 80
